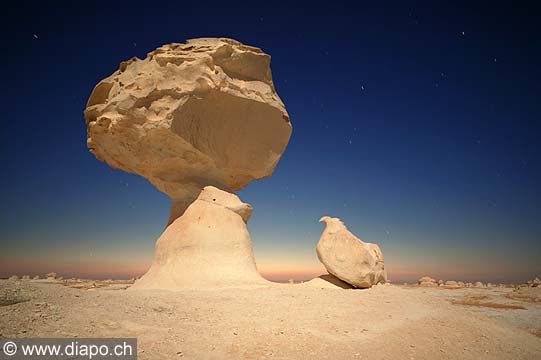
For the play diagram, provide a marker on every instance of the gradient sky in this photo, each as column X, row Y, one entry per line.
column 418, row 124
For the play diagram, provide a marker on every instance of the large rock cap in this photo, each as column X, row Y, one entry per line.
column 348, row 258
column 207, row 247
column 190, row 115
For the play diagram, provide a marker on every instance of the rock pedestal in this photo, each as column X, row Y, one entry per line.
column 207, row 247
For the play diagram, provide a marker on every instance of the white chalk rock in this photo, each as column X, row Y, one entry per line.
column 348, row 258
column 428, row 281
column 190, row 115
column 452, row 284
column 207, row 247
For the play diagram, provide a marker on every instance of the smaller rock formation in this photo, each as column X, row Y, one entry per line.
column 478, row 284
column 36, row 277
column 26, row 277
column 13, row 277
column 534, row 283
column 348, row 257
column 451, row 284
column 51, row 276
column 427, row 281
column 207, row 247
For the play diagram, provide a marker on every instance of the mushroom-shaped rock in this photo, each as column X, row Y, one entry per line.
column 190, row 115
column 207, row 247
column 347, row 257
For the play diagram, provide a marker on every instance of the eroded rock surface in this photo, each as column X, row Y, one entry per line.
column 348, row 257
column 207, row 247
column 190, row 115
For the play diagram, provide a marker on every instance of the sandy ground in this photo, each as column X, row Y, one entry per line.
column 283, row 321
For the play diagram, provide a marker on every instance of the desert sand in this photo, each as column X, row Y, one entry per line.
column 283, row 321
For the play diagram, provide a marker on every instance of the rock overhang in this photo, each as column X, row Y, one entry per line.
column 191, row 115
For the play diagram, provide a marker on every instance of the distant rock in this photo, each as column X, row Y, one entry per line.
column 348, row 257
column 51, row 276
column 451, row 284
column 427, row 281
column 478, row 284
column 13, row 277
column 36, row 277
column 207, row 247
column 190, row 115
column 534, row 283
column 461, row 284
column 26, row 277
